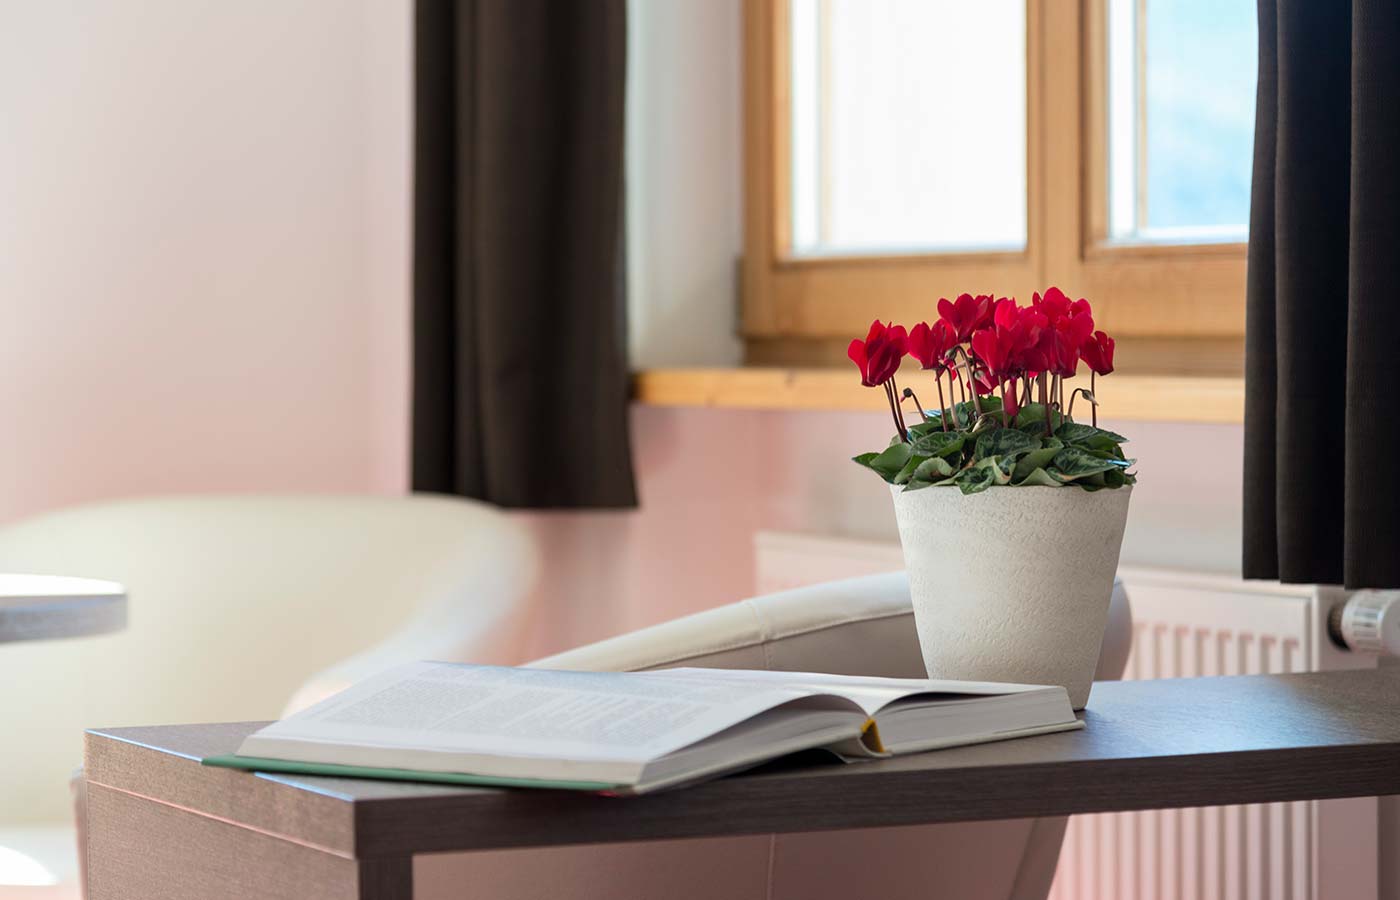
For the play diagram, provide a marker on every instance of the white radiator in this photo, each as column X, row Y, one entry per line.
column 1184, row 625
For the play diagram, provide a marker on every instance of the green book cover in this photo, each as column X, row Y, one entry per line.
column 259, row 764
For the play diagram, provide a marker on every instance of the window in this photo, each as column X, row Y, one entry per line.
column 1180, row 119
column 902, row 150
column 884, row 159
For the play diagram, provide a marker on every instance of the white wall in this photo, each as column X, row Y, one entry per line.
column 202, row 247
column 684, row 173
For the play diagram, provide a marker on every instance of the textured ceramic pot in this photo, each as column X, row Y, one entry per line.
column 1013, row 583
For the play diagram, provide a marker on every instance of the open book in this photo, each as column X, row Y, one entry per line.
column 629, row 732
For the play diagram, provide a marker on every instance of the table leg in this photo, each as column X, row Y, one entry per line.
column 140, row 849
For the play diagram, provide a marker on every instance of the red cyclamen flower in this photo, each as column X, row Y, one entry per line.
column 1054, row 305
column 930, row 345
column 1041, row 357
column 966, row 314
column 1011, row 340
column 1097, row 353
column 995, row 348
column 1071, row 323
column 879, row 355
column 1070, row 333
column 1024, row 324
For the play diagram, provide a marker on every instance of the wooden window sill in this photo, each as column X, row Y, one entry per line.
column 1142, row 398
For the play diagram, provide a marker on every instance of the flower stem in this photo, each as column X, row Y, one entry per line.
column 1089, row 396
column 1041, row 380
column 1004, row 423
column 909, row 393
column 898, row 408
column 971, row 384
column 942, row 409
column 1095, row 406
column 894, row 412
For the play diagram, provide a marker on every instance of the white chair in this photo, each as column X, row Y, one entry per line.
column 234, row 602
column 858, row 626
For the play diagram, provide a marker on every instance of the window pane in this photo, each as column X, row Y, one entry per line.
column 1180, row 119
column 908, row 126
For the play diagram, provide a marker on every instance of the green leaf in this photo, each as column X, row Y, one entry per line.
column 1006, row 442
column 1039, row 477
column 1034, row 414
column 889, row 463
column 1075, row 463
column 977, row 479
column 864, row 459
column 907, row 472
column 1033, row 460
column 1077, row 432
column 1001, row 467
column 986, row 424
column 1115, row 452
column 963, row 412
column 919, row 429
column 933, row 469
column 1088, row 436
column 1114, row 478
column 939, row 443
column 918, row 484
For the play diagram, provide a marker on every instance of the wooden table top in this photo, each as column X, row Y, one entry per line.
column 42, row 607
column 1147, row 744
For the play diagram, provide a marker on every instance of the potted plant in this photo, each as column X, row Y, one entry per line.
column 1011, row 513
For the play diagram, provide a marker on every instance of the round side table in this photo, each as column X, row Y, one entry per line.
column 41, row 607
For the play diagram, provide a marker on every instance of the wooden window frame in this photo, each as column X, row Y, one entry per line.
column 1182, row 304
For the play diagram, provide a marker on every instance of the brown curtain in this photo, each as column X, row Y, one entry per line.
column 520, row 382
column 1322, row 484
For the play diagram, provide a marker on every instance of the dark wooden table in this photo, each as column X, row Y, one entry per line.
column 161, row 824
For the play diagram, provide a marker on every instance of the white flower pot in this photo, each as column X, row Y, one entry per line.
column 1013, row 583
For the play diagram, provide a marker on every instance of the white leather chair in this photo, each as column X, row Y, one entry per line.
column 234, row 602
column 858, row 626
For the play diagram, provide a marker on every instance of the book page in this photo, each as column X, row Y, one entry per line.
column 870, row 692
column 533, row 712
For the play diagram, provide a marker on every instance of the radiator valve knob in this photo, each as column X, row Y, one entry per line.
column 1368, row 622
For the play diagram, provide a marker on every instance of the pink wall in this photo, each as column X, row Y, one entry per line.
column 203, row 227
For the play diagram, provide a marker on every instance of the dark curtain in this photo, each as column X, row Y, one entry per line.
column 520, row 384
column 1322, row 431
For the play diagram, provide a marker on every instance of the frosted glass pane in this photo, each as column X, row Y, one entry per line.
column 908, row 126
column 1181, row 118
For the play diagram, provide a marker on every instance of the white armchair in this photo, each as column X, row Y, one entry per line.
column 237, row 600
column 858, row 626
